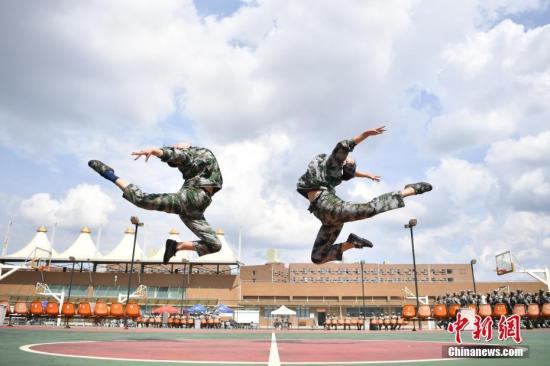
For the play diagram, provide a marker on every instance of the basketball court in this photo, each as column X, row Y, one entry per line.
column 106, row 346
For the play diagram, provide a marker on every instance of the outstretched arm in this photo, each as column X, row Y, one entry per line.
column 173, row 155
column 372, row 132
column 374, row 177
column 147, row 153
column 343, row 148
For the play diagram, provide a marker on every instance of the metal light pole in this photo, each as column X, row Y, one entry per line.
column 135, row 221
column 182, row 289
column 410, row 225
column 72, row 259
column 363, row 290
column 472, row 262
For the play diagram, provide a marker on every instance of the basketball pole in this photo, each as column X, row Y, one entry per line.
column 472, row 262
column 412, row 223
column 137, row 224
column 72, row 259
column 363, row 290
column 535, row 274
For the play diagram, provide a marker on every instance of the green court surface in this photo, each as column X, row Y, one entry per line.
column 243, row 346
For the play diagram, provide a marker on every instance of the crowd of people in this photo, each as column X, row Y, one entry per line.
column 347, row 322
column 385, row 321
column 509, row 298
column 183, row 321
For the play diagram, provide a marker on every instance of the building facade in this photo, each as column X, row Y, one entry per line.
column 313, row 291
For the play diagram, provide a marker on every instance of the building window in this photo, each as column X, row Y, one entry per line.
column 76, row 290
column 268, row 310
column 302, row 312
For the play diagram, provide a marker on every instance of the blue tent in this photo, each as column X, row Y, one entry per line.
column 223, row 309
column 197, row 309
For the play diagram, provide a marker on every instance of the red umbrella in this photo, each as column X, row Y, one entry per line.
column 165, row 309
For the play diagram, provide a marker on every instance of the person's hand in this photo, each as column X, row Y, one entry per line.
column 145, row 152
column 376, row 131
column 375, row 178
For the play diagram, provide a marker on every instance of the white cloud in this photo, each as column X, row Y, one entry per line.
column 523, row 169
column 275, row 84
column 492, row 85
column 105, row 68
column 527, row 151
column 462, row 182
column 533, row 185
column 254, row 196
column 84, row 205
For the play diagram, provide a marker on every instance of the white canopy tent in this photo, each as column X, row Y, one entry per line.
column 41, row 241
column 285, row 313
column 123, row 251
column 224, row 256
column 283, row 310
column 181, row 256
column 83, row 247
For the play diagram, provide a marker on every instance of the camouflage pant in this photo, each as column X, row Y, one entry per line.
column 333, row 212
column 189, row 203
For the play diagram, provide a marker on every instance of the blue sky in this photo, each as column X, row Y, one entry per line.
column 217, row 8
column 462, row 87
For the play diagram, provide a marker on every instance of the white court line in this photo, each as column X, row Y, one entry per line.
column 273, row 356
column 27, row 348
column 333, row 363
column 274, row 353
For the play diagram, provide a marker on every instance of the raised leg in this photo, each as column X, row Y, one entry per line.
column 209, row 242
column 348, row 211
column 165, row 202
column 324, row 249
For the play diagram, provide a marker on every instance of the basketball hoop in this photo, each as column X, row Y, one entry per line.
column 507, row 263
column 504, row 263
column 42, row 289
column 140, row 292
column 40, row 259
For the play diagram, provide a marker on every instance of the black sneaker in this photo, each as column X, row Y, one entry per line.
column 420, row 187
column 170, row 250
column 100, row 167
column 359, row 242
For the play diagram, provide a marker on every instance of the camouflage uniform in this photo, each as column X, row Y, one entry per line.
column 325, row 173
column 200, row 170
column 463, row 299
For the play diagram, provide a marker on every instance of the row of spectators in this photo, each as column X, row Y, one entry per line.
column 510, row 299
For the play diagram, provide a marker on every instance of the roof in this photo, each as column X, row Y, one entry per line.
column 82, row 248
column 283, row 310
column 181, row 256
column 41, row 241
column 225, row 255
column 123, row 251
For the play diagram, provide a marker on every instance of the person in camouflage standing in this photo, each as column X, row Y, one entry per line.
column 203, row 179
column 318, row 184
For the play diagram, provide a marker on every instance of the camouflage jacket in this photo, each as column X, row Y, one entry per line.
column 325, row 171
column 198, row 166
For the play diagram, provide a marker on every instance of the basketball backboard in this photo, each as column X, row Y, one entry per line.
column 504, row 263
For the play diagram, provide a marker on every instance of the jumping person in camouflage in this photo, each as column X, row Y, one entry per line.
column 324, row 173
column 202, row 178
